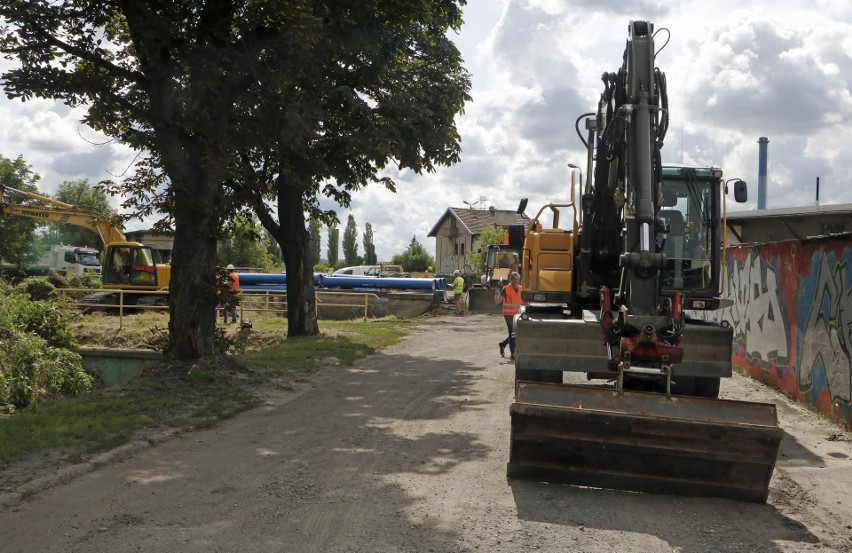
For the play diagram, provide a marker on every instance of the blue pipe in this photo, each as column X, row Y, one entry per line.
column 376, row 283
column 258, row 282
column 268, row 281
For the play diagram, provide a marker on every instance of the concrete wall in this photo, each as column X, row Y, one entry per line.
column 450, row 237
column 792, row 319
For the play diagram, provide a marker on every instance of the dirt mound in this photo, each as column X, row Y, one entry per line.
column 150, row 331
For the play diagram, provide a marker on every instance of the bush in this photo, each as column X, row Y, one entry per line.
column 33, row 370
column 88, row 280
column 56, row 279
column 34, row 361
column 44, row 319
column 37, row 288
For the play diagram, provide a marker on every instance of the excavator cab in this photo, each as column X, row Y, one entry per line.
column 690, row 216
column 130, row 265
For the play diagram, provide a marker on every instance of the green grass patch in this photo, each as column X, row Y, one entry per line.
column 344, row 341
column 71, row 428
column 108, row 417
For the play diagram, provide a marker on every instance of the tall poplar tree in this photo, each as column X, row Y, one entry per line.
column 369, row 246
column 333, row 245
column 316, row 246
column 350, row 242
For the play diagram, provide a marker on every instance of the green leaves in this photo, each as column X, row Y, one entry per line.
column 34, row 357
column 350, row 242
column 415, row 258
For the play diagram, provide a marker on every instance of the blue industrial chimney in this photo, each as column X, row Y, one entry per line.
column 761, row 171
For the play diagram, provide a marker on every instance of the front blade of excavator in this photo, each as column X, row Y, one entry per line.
column 591, row 436
column 481, row 300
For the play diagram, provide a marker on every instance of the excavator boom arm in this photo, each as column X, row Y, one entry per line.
column 62, row 212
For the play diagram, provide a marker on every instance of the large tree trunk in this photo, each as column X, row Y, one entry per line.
column 294, row 240
column 192, row 291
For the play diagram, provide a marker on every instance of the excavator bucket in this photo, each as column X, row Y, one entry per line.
column 639, row 441
column 481, row 300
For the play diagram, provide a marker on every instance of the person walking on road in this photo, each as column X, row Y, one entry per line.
column 458, row 292
column 510, row 297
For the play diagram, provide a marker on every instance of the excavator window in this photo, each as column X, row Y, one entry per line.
column 687, row 210
column 142, row 268
column 131, row 265
column 118, row 266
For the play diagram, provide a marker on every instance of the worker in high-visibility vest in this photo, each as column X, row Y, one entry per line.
column 510, row 297
column 233, row 281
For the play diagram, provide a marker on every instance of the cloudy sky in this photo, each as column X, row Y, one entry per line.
column 778, row 69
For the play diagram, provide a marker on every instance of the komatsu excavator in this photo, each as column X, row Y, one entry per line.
column 609, row 297
column 128, row 266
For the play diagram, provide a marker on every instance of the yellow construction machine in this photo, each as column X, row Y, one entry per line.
column 501, row 258
column 127, row 266
column 618, row 295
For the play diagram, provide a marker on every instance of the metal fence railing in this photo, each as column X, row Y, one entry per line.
column 250, row 302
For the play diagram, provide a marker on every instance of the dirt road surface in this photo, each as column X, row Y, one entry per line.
column 406, row 451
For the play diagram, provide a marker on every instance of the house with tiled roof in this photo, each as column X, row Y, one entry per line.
column 457, row 233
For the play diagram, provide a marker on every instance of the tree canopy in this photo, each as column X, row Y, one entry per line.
column 476, row 257
column 333, row 240
column 245, row 244
column 316, row 243
column 369, row 247
column 18, row 233
column 350, row 242
column 79, row 193
column 353, row 92
column 414, row 258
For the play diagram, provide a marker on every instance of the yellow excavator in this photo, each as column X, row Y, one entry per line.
column 618, row 296
column 127, row 266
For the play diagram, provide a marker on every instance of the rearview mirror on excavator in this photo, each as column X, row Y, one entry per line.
column 740, row 191
column 522, row 206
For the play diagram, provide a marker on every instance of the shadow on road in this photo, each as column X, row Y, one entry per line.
column 723, row 525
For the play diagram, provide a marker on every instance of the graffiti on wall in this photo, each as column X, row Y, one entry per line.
column 756, row 315
column 792, row 317
column 824, row 334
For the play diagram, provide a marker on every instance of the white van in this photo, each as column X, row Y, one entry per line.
column 359, row 270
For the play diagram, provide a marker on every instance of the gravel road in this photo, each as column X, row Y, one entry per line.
column 406, row 451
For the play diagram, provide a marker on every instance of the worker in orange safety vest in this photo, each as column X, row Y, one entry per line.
column 233, row 281
column 510, row 297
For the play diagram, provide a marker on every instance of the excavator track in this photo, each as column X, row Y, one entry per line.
column 599, row 437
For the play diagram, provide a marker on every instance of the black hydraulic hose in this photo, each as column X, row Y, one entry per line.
column 577, row 128
column 664, row 105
